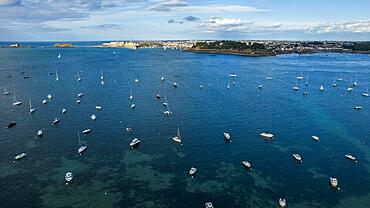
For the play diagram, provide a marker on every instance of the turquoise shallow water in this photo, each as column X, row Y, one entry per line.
column 109, row 174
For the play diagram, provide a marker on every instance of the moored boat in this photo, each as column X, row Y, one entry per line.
column 134, row 143
column 267, row 135
column 20, row 156
column 297, row 157
column 192, row 171
column 247, row 164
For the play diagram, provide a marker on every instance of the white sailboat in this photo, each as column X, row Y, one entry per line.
column 306, row 81
column 81, row 147
column 300, row 76
column 15, row 102
column 366, row 93
column 177, row 138
column 56, row 76
column 31, row 109
column 131, row 96
column 78, row 77
column 334, row 83
column 6, row 91
column 102, row 77
column 59, row 56
column 355, row 82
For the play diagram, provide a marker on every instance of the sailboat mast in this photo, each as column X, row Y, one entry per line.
column 30, row 104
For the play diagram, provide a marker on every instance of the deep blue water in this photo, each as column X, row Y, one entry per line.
column 109, row 174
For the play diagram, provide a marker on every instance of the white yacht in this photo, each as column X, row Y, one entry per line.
column 102, row 75
column 355, row 82
column 68, row 177
column 98, row 107
column 175, row 84
column 260, row 86
column 247, row 164
column 31, row 109
column 136, row 80
column 350, row 157
column 227, row 136
column 80, row 94
column 20, row 156
column 49, row 96
column 334, row 83
column 64, row 110
column 86, row 131
column 349, row 89
column 162, row 78
column 177, row 138
column 59, row 56
column 295, row 88
column 282, row 202
column 316, row 138
column 15, row 102
column 192, row 171
column 78, row 101
column 333, row 182
column 131, row 96
column 40, row 133
column 81, row 148
column 134, row 143
column 133, row 106
column 267, row 135
column 297, row 157
column 44, row 101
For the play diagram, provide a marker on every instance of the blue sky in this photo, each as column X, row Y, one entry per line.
column 57, row 20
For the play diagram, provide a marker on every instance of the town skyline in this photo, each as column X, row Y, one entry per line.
column 77, row 20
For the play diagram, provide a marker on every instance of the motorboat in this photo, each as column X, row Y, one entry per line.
column 192, row 171
column 350, row 157
column 68, row 177
column 295, row 88
column 316, row 138
column 80, row 94
column 11, row 124
column 282, row 202
column 305, row 93
column 136, row 80
column 78, row 101
column 44, row 101
column 162, row 78
column 56, row 120
column 208, row 205
column 174, row 84
column 64, row 110
column 98, row 107
column 247, row 164
column 129, row 130
column 40, row 133
column 49, row 96
column 20, row 156
column 133, row 106
column 267, row 135
column 297, row 157
column 357, row 108
column 333, row 182
column 260, row 86
column 93, row 117
column 227, row 136
column 134, row 143
column 366, row 93
column 86, row 131
column 350, row 89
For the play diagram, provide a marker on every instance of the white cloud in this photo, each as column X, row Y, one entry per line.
column 357, row 26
